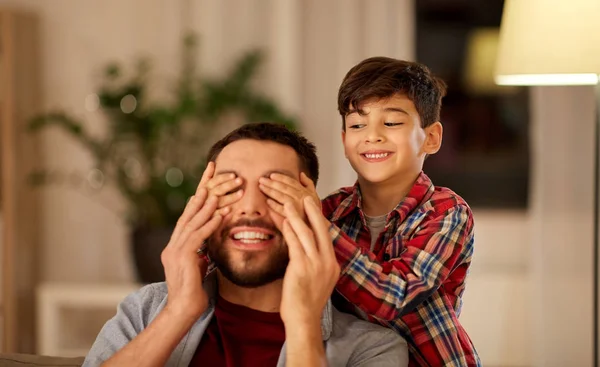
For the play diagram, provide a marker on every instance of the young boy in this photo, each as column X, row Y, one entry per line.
column 404, row 245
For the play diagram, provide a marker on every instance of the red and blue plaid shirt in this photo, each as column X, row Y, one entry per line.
column 414, row 279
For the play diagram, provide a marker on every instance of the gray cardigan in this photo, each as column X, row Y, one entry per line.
column 348, row 341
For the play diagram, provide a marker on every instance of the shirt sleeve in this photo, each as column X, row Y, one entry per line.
column 388, row 289
column 128, row 322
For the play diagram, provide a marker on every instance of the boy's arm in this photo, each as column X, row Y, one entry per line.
column 388, row 289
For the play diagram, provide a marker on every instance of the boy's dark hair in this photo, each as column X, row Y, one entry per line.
column 277, row 133
column 383, row 77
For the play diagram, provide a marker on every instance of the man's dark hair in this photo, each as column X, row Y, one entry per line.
column 383, row 77
column 277, row 133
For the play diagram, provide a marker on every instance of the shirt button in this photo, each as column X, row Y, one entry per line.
column 386, row 257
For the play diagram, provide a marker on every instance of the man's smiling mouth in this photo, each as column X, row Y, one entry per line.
column 251, row 236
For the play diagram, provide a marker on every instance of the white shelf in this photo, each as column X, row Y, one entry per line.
column 69, row 316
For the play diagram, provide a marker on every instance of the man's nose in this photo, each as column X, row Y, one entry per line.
column 253, row 203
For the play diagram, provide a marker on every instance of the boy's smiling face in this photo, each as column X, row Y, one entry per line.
column 385, row 141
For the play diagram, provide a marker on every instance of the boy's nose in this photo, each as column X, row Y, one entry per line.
column 374, row 135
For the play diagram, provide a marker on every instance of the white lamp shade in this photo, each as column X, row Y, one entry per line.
column 549, row 42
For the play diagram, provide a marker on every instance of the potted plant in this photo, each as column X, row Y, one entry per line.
column 154, row 152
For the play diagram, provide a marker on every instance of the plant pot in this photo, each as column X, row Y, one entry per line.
column 147, row 244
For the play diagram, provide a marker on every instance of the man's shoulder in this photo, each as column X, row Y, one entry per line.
column 350, row 325
column 367, row 342
column 146, row 301
column 360, row 332
column 134, row 313
column 152, row 291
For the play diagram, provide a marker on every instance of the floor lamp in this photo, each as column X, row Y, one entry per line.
column 556, row 42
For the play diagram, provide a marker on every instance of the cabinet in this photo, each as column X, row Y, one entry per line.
column 19, row 204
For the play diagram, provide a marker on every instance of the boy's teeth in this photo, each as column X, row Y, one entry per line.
column 376, row 156
column 250, row 236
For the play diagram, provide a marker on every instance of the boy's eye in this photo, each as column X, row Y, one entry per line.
column 356, row 126
column 393, row 123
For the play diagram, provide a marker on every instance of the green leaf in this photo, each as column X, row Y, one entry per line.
column 38, row 178
column 112, row 71
column 158, row 135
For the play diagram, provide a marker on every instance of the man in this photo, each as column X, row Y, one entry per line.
column 267, row 303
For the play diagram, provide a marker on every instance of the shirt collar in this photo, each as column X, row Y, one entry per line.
column 421, row 190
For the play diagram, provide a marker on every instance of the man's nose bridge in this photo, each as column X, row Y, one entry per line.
column 253, row 201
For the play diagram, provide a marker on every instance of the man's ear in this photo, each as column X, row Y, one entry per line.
column 433, row 138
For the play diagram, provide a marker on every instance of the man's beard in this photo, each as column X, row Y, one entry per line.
column 248, row 274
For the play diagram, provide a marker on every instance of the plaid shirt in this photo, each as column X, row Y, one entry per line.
column 414, row 279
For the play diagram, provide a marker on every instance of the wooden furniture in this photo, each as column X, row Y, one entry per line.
column 19, row 98
column 29, row 360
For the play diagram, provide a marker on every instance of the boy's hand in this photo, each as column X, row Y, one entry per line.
column 312, row 271
column 226, row 187
column 282, row 189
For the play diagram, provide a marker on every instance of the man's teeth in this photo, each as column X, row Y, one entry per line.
column 376, row 156
column 251, row 236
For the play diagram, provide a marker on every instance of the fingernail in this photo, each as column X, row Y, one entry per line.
column 238, row 180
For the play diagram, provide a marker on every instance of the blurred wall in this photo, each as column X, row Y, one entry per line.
column 496, row 309
column 310, row 45
column 562, row 225
column 511, row 302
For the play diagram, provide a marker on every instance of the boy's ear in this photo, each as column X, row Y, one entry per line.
column 433, row 138
column 344, row 142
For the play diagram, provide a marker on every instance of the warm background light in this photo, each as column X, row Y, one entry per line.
column 482, row 52
column 542, row 37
